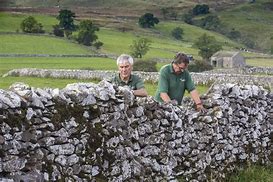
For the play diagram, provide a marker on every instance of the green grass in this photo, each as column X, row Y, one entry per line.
column 7, row 64
column 39, row 82
column 253, row 174
column 39, row 44
column 260, row 62
column 192, row 33
column 10, row 22
column 119, row 42
column 162, row 44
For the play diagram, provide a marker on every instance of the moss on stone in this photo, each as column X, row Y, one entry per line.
column 17, row 120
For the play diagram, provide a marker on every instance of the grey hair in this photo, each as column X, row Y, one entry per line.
column 123, row 58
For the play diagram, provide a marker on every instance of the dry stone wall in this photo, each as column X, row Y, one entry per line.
column 248, row 70
column 205, row 78
column 91, row 132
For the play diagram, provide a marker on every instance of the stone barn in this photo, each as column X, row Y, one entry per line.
column 227, row 59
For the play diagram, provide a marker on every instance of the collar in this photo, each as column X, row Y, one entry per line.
column 129, row 80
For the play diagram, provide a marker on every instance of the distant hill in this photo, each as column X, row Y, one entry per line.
column 124, row 7
column 253, row 19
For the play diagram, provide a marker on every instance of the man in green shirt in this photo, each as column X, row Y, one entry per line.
column 126, row 78
column 174, row 79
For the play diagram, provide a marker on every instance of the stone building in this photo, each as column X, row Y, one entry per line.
column 227, row 59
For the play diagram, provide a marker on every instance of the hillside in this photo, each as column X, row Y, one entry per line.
column 254, row 21
column 117, row 8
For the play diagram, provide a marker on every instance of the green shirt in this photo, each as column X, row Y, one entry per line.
column 172, row 84
column 134, row 82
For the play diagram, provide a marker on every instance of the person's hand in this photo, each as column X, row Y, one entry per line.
column 200, row 108
column 173, row 102
column 127, row 94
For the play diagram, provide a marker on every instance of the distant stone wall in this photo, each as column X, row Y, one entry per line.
column 199, row 78
column 244, row 70
column 61, row 55
column 91, row 132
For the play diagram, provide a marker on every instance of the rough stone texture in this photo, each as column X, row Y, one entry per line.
column 243, row 76
column 90, row 132
column 248, row 70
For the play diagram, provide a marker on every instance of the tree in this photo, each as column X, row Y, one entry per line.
column 147, row 20
column 200, row 9
column 66, row 18
column 30, row 25
column 177, row 33
column 207, row 46
column 140, row 47
column 86, row 35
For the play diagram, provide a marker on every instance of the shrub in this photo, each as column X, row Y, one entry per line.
column 98, row 44
column 177, row 33
column 146, row 66
column 140, row 47
column 30, row 25
column 199, row 66
column 87, row 33
column 57, row 31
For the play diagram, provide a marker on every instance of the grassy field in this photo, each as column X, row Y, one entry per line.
column 253, row 173
column 10, row 22
column 40, row 82
column 260, row 62
column 192, row 33
column 117, row 42
column 7, row 63
column 39, row 44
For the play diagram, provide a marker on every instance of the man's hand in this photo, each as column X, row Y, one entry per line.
column 200, row 108
column 173, row 102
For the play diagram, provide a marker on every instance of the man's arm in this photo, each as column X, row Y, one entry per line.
column 195, row 96
column 163, row 86
column 140, row 92
column 165, row 97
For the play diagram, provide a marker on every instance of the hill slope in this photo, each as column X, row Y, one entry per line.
column 253, row 20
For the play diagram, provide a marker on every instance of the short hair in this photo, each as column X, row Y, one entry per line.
column 123, row 58
column 180, row 58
